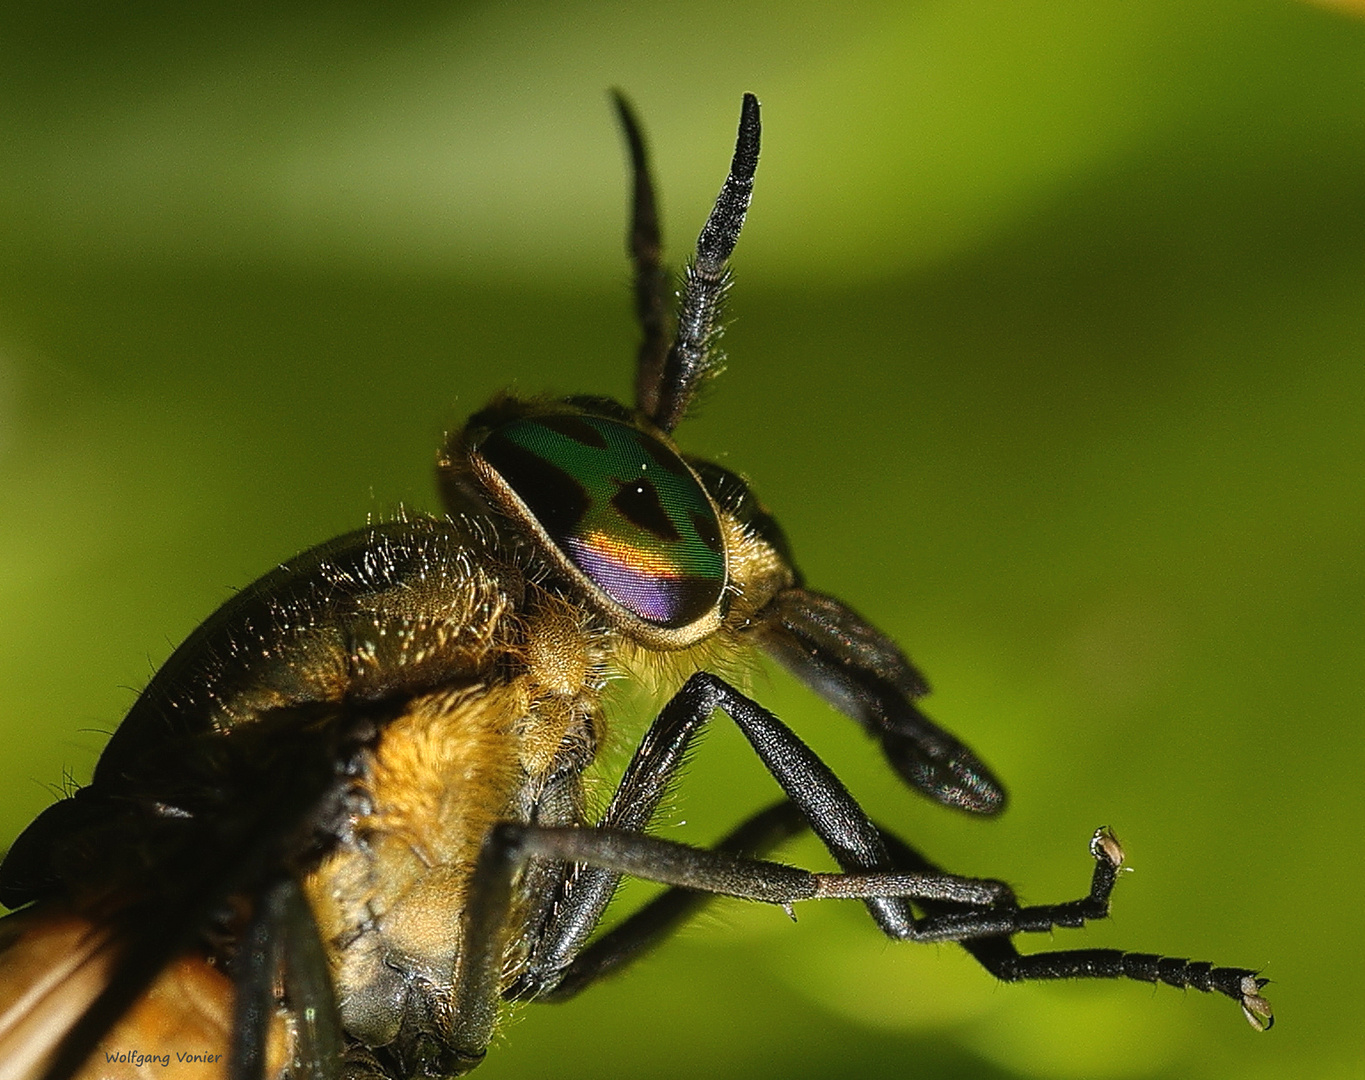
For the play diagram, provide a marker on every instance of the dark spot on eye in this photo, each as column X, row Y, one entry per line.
column 575, row 428
column 555, row 498
column 662, row 456
column 638, row 502
column 708, row 528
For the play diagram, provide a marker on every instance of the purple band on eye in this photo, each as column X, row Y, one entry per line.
column 668, row 601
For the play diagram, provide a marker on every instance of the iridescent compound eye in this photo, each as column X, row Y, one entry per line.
column 620, row 507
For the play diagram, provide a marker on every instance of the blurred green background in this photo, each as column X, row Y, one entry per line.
column 1048, row 348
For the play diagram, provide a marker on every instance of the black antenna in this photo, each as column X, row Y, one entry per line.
column 645, row 247
column 694, row 357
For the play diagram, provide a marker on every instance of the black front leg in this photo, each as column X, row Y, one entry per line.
column 820, row 800
column 820, row 797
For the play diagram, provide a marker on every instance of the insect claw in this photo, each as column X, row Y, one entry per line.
column 791, row 912
column 1255, row 1008
column 1104, row 845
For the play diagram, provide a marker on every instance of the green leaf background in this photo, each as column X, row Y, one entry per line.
column 1047, row 347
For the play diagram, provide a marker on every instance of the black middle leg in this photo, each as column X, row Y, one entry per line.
column 646, row 928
